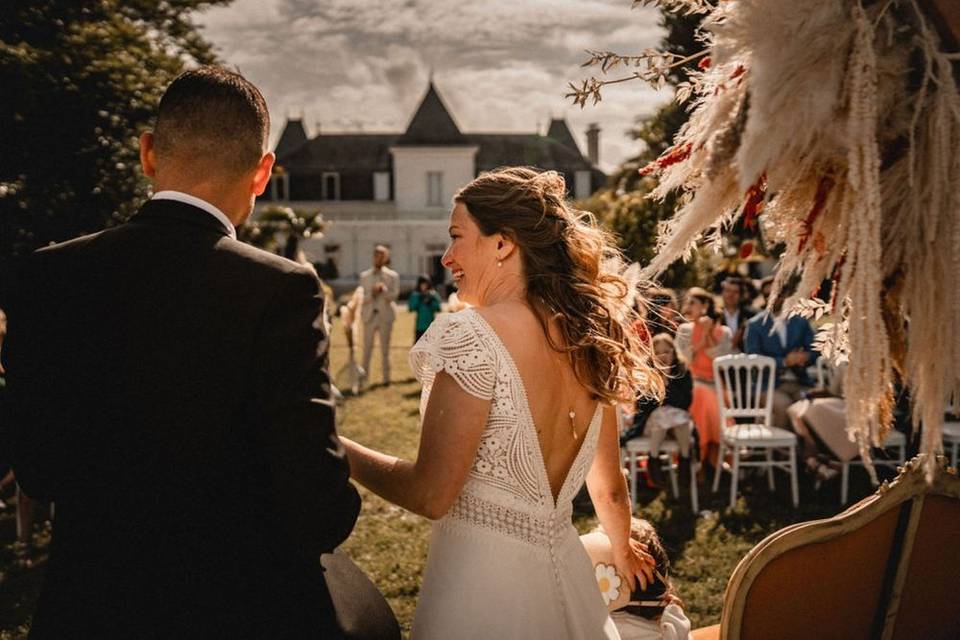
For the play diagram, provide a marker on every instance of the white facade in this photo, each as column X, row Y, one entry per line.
column 425, row 178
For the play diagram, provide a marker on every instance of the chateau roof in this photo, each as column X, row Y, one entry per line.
column 292, row 137
column 500, row 149
column 432, row 124
column 342, row 151
column 560, row 132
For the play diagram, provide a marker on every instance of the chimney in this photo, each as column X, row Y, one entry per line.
column 593, row 143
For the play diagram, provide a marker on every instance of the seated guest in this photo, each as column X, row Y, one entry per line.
column 645, row 612
column 736, row 313
column 821, row 422
column 657, row 420
column 789, row 341
column 698, row 342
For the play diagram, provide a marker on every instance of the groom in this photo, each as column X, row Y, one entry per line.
column 168, row 391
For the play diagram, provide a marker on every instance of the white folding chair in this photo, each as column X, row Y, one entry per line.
column 745, row 385
column 895, row 440
column 637, row 449
column 825, row 372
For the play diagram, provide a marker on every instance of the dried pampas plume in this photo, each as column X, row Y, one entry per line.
column 838, row 125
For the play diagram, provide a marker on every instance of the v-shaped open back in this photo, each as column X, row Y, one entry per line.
column 526, row 414
column 506, row 514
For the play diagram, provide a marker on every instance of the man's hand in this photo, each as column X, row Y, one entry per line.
column 797, row 358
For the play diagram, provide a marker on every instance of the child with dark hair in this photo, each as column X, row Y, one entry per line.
column 669, row 417
column 648, row 612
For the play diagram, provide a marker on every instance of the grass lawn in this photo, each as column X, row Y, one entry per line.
column 391, row 544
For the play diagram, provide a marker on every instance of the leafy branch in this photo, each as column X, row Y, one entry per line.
column 651, row 66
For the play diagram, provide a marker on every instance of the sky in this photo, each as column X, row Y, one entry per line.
column 500, row 65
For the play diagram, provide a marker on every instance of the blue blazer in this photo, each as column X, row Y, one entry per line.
column 762, row 340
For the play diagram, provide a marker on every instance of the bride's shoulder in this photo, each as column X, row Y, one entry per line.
column 508, row 317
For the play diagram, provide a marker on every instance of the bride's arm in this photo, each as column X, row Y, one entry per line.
column 611, row 499
column 452, row 425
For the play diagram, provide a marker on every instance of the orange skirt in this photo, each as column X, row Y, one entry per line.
column 706, row 415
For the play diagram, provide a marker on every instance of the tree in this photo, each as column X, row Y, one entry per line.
column 293, row 225
column 80, row 81
column 623, row 205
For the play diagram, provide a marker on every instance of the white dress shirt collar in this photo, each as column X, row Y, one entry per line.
column 199, row 203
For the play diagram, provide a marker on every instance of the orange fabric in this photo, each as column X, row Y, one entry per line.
column 928, row 605
column 701, row 367
column 830, row 588
column 705, row 412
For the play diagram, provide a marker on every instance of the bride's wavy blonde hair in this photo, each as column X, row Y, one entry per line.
column 566, row 258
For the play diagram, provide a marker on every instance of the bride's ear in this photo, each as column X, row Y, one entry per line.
column 505, row 246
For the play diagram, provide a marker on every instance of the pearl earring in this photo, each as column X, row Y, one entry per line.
column 499, row 263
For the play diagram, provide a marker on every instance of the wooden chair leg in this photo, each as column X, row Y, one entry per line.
column 734, row 476
column 794, row 489
column 844, row 482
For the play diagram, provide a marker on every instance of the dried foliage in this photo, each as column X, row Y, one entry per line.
column 835, row 125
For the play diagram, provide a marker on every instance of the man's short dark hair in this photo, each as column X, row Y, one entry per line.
column 214, row 116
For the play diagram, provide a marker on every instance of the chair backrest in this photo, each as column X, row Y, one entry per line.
column 745, row 386
column 881, row 569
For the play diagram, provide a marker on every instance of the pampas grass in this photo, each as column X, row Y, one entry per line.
column 850, row 118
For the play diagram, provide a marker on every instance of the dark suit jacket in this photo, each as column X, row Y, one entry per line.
column 762, row 340
column 167, row 388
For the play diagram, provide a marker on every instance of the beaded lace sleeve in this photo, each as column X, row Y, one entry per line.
column 454, row 344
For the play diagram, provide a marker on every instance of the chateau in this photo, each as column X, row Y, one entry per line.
column 396, row 189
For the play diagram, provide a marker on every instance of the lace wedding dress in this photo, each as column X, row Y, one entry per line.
column 505, row 562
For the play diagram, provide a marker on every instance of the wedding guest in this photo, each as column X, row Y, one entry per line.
column 699, row 341
column 425, row 302
column 788, row 340
column 381, row 286
column 820, row 420
column 653, row 613
column 351, row 374
column 736, row 313
column 670, row 418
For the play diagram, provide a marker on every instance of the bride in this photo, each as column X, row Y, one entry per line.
column 517, row 411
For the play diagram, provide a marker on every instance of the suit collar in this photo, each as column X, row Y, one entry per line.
column 182, row 212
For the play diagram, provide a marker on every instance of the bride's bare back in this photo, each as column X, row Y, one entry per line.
column 552, row 388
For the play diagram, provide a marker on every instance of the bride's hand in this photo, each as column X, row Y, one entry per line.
column 633, row 562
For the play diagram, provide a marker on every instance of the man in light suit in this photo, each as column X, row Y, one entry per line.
column 168, row 390
column 381, row 286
